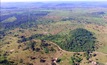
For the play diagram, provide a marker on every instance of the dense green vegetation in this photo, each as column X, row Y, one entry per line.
column 81, row 40
column 23, row 20
column 77, row 40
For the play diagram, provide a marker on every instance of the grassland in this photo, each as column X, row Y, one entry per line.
column 52, row 22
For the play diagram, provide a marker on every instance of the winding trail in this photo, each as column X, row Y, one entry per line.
column 74, row 52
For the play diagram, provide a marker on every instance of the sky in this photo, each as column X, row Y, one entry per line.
column 44, row 0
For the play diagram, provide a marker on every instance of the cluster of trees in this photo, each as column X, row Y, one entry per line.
column 26, row 19
column 65, row 19
column 76, row 59
column 23, row 39
column 98, row 13
column 46, row 47
column 81, row 40
column 30, row 45
column 3, row 59
column 78, row 40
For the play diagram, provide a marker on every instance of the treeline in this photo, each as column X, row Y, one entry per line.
column 78, row 40
column 23, row 20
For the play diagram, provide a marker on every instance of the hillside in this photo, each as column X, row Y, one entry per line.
column 53, row 35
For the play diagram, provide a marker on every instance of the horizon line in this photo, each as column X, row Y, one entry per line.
column 53, row 1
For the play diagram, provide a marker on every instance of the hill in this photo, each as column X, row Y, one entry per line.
column 64, row 33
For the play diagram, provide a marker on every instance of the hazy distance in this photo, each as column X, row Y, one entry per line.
column 44, row 0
